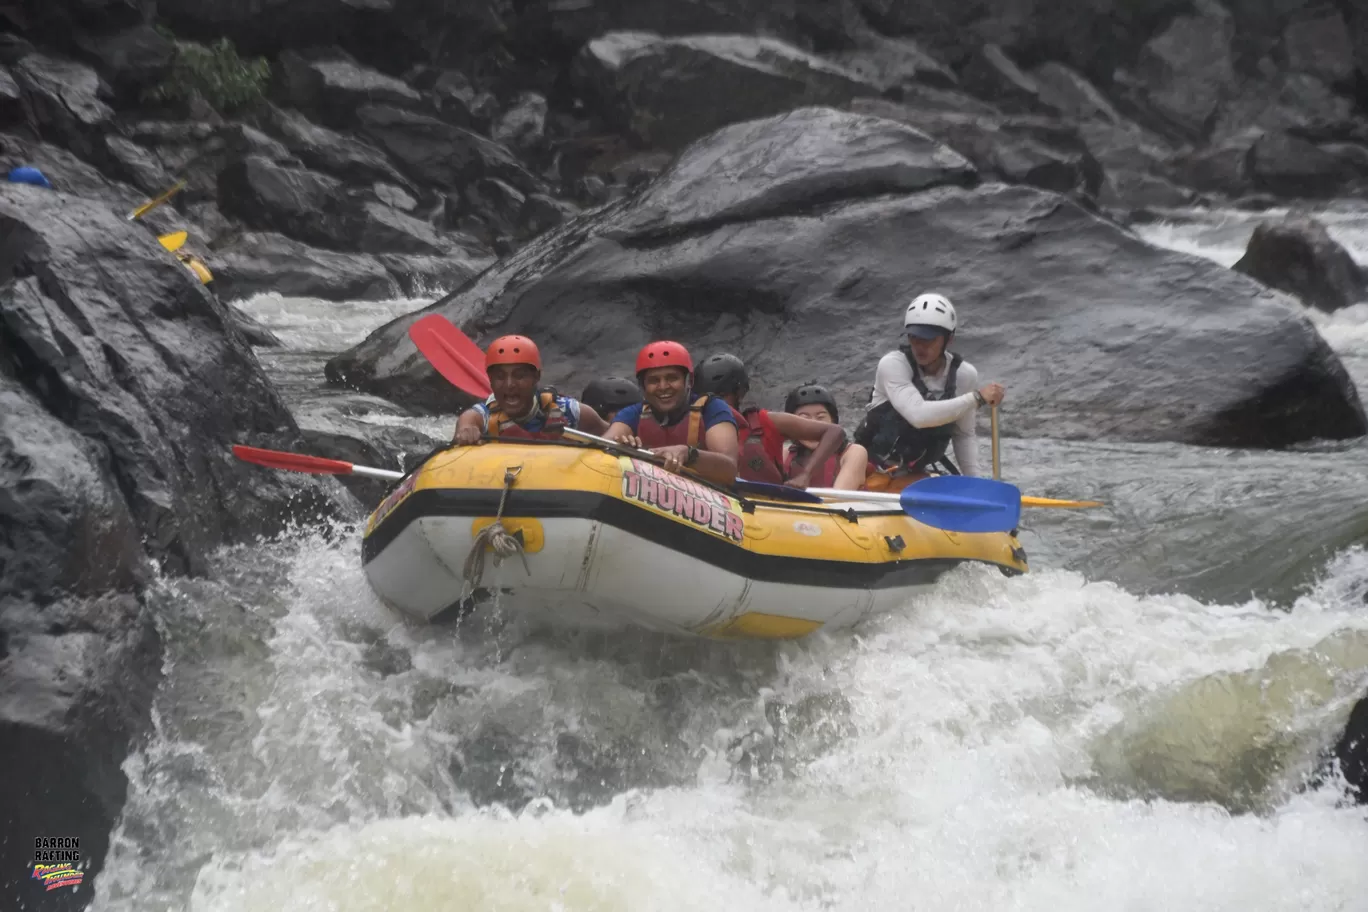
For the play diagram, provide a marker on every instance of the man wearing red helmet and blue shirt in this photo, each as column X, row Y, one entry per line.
column 518, row 408
column 697, row 432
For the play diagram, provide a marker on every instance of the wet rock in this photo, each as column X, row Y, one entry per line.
column 114, row 447
column 1222, row 167
column 334, row 88
column 454, row 98
column 253, row 330
column 270, row 197
column 522, row 126
column 1351, row 751
column 198, row 151
column 335, row 425
column 438, row 153
column 11, row 101
column 542, row 213
column 494, row 202
column 1071, row 94
column 992, row 74
column 137, row 165
column 1319, row 43
column 261, row 262
column 1298, row 256
column 66, row 172
column 394, row 196
column 132, row 59
column 1189, row 68
column 1283, row 164
column 1018, row 149
column 786, row 241
column 378, row 228
column 342, row 156
column 667, row 92
column 65, row 100
column 894, row 66
column 1124, row 189
column 1291, row 102
column 422, row 276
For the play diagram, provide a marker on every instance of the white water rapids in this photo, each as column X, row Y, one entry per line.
column 1053, row 742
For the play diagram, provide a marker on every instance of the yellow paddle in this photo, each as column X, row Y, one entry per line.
column 156, row 201
column 174, row 241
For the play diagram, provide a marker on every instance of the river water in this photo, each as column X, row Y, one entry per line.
column 1133, row 726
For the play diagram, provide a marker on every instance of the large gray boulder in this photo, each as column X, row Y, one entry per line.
column 795, row 242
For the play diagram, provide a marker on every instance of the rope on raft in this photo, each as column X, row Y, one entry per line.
column 496, row 538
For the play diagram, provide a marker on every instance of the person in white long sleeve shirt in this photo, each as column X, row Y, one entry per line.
column 925, row 402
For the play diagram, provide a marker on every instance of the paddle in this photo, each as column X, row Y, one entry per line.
column 453, row 355
column 316, row 465
column 174, row 241
column 156, row 201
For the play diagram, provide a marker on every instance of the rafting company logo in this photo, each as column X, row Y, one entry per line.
column 390, row 502
column 674, row 495
column 54, row 859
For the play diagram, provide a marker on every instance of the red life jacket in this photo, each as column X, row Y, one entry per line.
column 797, row 458
column 760, row 449
column 685, row 432
column 554, row 420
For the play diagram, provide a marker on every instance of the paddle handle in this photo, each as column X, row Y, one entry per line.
column 368, row 472
column 997, row 464
column 856, row 496
column 585, row 436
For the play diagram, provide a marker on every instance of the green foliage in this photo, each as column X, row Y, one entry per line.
column 215, row 73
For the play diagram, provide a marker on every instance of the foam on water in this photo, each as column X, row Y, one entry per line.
column 973, row 751
column 313, row 324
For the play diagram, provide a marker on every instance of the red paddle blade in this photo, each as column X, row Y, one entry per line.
column 453, row 355
column 293, row 462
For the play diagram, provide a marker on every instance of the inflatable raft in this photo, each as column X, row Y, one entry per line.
column 588, row 538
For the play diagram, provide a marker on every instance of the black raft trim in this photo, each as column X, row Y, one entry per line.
column 700, row 545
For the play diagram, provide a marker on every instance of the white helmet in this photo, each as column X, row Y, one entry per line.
column 929, row 316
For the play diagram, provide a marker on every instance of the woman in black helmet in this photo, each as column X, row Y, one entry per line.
column 844, row 469
column 762, row 433
column 608, row 394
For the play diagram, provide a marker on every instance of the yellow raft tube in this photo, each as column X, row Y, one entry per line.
column 609, row 541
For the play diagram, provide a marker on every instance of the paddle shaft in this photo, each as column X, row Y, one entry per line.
column 997, row 465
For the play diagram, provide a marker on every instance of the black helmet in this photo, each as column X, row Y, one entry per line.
column 720, row 375
column 812, row 394
column 608, row 394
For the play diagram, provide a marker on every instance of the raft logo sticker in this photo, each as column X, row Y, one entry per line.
column 54, row 862
column 807, row 528
column 393, row 500
column 674, row 495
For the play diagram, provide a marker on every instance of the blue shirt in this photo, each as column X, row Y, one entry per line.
column 714, row 413
column 569, row 406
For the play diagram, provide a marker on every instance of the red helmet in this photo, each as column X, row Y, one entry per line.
column 513, row 350
column 664, row 354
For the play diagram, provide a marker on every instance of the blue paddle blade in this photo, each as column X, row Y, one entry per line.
column 957, row 503
column 776, row 491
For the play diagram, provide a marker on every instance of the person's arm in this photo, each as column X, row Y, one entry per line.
column 894, row 376
column 828, row 437
column 854, row 466
column 623, row 428
column 470, row 427
column 590, row 421
column 717, row 462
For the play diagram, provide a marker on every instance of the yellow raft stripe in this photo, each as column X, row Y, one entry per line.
column 757, row 626
column 768, row 531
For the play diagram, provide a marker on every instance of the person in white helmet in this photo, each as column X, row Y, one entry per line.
column 925, row 401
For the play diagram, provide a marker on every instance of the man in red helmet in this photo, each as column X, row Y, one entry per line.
column 518, row 408
column 697, row 432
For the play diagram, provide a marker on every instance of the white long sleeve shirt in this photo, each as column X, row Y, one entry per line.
column 893, row 383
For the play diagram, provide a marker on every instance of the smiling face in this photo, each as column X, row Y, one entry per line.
column 815, row 411
column 663, row 388
column 514, row 385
